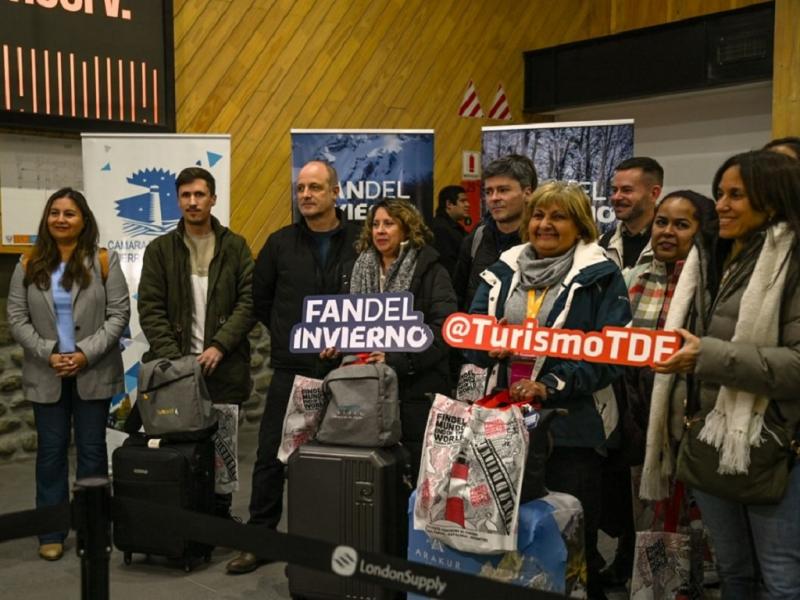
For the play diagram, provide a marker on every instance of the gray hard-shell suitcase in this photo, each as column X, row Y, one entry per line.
column 352, row 496
column 176, row 474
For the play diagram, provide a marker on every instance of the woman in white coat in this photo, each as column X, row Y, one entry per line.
column 68, row 305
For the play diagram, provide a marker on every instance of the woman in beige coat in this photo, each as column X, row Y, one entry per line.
column 745, row 367
column 67, row 307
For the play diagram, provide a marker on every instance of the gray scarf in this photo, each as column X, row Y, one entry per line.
column 366, row 275
column 537, row 274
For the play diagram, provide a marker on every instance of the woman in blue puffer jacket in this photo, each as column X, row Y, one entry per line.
column 561, row 277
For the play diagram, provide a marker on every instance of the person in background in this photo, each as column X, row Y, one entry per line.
column 508, row 183
column 561, row 277
column 635, row 189
column 395, row 255
column 448, row 233
column 745, row 358
column 790, row 146
column 68, row 305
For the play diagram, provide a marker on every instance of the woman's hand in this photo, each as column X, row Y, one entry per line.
column 58, row 363
column 376, row 357
column 330, row 354
column 685, row 359
column 526, row 390
column 500, row 354
column 68, row 364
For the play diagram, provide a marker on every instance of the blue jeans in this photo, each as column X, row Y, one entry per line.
column 88, row 418
column 752, row 540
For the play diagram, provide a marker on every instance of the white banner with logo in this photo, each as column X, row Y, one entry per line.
column 129, row 180
column 584, row 151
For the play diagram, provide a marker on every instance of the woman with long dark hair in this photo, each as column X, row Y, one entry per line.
column 744, row 358
column 67, row 307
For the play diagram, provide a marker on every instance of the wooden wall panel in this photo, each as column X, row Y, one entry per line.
column 785, row 79
column 257, row 68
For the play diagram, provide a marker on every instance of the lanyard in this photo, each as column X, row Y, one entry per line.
column 534, row 303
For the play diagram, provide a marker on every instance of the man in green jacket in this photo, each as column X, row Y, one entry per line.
column 196, row 297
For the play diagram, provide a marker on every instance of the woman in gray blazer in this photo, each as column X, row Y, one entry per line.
column 68, row 305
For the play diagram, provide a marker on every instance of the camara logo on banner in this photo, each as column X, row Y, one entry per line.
column 129, row 181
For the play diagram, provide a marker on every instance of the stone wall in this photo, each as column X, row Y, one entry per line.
column 17, row 429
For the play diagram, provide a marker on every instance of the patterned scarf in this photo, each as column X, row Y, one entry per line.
column 367, row 272
column 658, row 461
column 651, row 294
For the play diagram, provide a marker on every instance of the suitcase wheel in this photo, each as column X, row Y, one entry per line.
column 187, row 566
column 126, row 558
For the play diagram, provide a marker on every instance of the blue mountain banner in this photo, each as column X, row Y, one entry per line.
column 371, row 164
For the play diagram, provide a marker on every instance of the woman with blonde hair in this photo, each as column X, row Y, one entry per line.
column 562, row 278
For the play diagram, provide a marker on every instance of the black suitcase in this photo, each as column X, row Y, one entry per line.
column 352, row 496
column 179, row 475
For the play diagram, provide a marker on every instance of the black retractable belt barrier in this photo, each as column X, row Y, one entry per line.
column 29, row 523
column 91, row 518
column 380, row 569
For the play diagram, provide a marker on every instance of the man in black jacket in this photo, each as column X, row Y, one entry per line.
column 298, row 260
column 448, row 234
column 508, row 183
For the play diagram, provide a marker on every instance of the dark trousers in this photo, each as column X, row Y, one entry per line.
column 266, row 498
column 578, row 472
column 617, row 513
column 53, row 424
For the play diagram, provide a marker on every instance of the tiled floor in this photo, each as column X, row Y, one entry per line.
column 24, row 575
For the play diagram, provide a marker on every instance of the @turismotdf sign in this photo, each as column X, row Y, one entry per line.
column 384, row 322
column 616, row 345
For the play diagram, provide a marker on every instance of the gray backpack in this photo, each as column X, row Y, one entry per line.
column 173, row 399
column 363, row 407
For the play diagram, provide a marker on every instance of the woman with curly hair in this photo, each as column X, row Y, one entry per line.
column 396, row 256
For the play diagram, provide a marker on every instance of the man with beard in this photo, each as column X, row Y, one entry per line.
column 635, row 188
column 195, row 297
column 508, row 183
